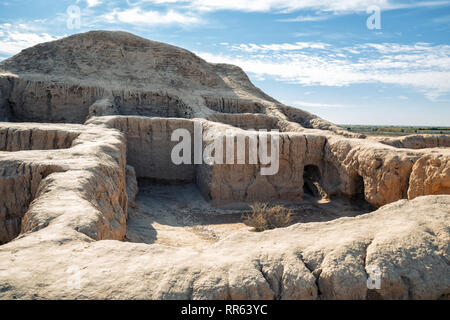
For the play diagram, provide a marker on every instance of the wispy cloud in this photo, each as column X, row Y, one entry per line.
column 193, row 12
column 186, row 13
column 336, row 6
column 421, row 66
column 14, row 38
column 301, row 104
column 278, row 47
column 306, row 18
column 141, row 17
column 395, row 5
column 91, row 3
column 306, row 34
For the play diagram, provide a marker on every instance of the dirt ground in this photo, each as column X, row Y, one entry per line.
column 178, row 215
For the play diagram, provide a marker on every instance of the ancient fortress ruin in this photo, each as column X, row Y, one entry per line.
column 91, row 205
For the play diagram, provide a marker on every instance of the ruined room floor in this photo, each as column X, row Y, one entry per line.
column 177, row 215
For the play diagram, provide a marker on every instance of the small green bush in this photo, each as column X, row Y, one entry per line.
column 264, row 217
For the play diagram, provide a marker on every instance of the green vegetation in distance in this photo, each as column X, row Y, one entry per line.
column 394, row 130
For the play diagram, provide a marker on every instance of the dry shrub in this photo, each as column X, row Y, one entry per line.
column 264, row 217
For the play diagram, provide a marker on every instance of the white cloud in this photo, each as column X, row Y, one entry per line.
column 336, row 6
column 422, row 66
column 92, row 3
column 306, row 34
column 138, row 16
column 279, row 47
column 301, row 104
column 306, row 18
column 419, row 4
column 13, row 39
column 192, row 12
column 396, row 48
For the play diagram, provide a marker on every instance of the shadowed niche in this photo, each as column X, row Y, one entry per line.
column 312, row 182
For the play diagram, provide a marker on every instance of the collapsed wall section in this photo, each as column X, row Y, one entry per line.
column 386, row 174
column 233, row 105
column 46, row 101
column 20, row 176
column 19, row 182
column 25, row 100
column 149, row 145
column 151, row 104
column 418, row 141
column 246, row 121
column 82, row 187
column 17, row 137
column 430, row 176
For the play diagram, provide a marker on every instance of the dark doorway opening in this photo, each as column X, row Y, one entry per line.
column 358, row 193
column 358, row 197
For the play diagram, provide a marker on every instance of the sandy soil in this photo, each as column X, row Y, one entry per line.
column 178, row 215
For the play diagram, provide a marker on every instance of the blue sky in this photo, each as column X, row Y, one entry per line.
column 314, row 54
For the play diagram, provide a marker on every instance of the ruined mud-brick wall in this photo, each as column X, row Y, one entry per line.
column 39, row 185
column 19, row 179
column 430, row 176
column 16, row 138
column 388, row 174
column 19, row 182
column 64, row 102
column 229, row 183
column 418, row 141
column 246, row 121
column 149, row 145
column 349, row 168
column 149, row 149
